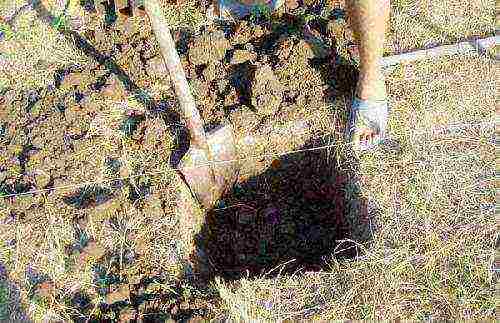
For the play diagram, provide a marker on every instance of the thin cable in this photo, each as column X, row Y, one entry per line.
column 271, row 155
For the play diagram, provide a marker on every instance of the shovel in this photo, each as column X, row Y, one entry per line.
column 207, row 167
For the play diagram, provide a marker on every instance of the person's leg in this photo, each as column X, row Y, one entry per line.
column 369, row 19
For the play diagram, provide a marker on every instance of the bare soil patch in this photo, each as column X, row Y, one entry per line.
column 277, row 81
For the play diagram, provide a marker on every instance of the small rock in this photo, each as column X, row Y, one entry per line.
column 208, row 48
column 241, row 56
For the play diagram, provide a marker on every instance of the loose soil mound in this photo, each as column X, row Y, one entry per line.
column 280, row 82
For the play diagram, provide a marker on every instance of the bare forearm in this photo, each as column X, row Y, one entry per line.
column 369, row 21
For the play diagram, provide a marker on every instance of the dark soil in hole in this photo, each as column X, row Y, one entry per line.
column 296, row 210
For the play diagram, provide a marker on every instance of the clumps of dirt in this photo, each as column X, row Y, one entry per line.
column 44, row 134
column 204, row 64
column 272, row 69
column 50, row 134
column 208, row 48
column 108, row 119
column 304, row 83
column 112, row 118
column 275, row 90
column 127, row 294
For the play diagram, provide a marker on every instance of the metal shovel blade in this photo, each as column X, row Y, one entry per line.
column 196, row 167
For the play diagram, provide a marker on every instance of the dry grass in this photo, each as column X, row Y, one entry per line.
column 421, row 23
column 32, row 51
column 184, row 14
column 433, row 230
column 156, row 230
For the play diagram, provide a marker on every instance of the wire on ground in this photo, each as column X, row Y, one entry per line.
column 259, row 157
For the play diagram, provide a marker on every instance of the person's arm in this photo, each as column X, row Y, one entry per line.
column 369, row 19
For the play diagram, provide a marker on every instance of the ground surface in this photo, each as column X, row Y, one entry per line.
column 90, row 101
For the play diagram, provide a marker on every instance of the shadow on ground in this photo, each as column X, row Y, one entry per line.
column 162, row 108
column 297, row 211
column 294, row 213
column 11, row 309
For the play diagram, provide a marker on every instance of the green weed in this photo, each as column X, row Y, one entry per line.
column 259, row 13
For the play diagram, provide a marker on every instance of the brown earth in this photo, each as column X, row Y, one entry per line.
column 275, row 81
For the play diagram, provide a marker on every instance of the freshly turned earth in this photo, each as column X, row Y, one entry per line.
column 254, row 75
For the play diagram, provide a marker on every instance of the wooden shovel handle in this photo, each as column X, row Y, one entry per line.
column 187, row 104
